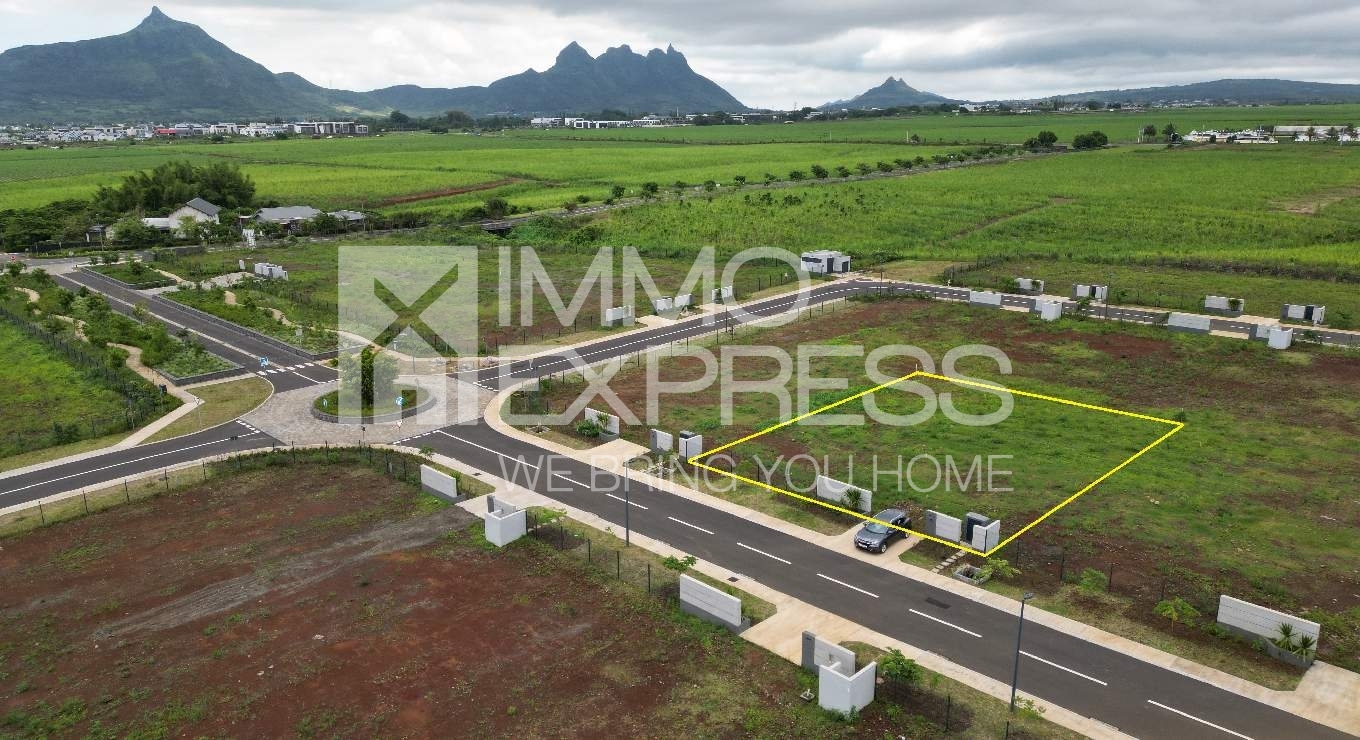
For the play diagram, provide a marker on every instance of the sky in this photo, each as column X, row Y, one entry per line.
column 771, row 53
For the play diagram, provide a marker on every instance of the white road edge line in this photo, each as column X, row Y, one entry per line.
column 1197, row 719
column 687, row 524
column 762, row 552
column 1063, row 668
column 947, row 624
column 843, row 583
column 626, row 501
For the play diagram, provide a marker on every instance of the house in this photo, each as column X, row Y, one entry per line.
column 197, row 209
column 285, row 216
column 826, row 262
column 349, row 218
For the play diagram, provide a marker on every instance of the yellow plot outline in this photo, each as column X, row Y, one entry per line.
column 1176, row 426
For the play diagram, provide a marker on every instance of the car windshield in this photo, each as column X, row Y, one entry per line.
column 876, row 528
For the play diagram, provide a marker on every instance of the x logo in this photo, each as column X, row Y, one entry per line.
column 409, row 316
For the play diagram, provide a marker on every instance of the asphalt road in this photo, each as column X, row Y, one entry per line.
column 287, row 370
column 233, row 436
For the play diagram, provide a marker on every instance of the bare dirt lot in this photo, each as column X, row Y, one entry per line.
column 330, row 601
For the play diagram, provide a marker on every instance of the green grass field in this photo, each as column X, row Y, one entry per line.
column 41, row 389
column 1252, row 495
column 311, row 292
column 1285, row 206
column 368, row 172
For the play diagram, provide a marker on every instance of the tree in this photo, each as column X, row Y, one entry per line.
column 899, row 669
column 864, row 168
column 15, row 269
column 771, row 178
column 192, row 229
column 1093, row 140
column 458, row 119
column 496, row 208
column 796, row 175
column 1169, row 130
column 399, row 119
column 650, row 189
column 366, row 379
column 740, row 180
column 843, row 171
column 884, row 166
column 171, row 184
column 819, row 172
column 1046, row 138
column 131, row 230
column 1149, row 131
column 617, row 192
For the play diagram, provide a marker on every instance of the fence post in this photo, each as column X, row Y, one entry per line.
column 1109, row 578
column 204, row 466
column 649, row 578
column 618, row 564
column 588, row 559
column 85, row 500
column 166, row 473
column 42, row 516
column 1062, row 566
column 127, row 497
column 948, row 710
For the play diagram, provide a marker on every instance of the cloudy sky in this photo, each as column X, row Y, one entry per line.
column 774, row 53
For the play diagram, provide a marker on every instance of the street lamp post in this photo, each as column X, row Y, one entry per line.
column 1015, row 675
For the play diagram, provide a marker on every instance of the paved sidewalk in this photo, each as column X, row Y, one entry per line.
column 1327, row 695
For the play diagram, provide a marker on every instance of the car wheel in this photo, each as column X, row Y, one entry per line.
column 882, row 549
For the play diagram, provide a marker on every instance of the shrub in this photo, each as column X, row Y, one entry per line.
column 1001, row 568
column 1093, row 581
column 588, row 428
column 1177, row 610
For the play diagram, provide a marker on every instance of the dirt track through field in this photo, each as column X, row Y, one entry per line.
column 446, row 192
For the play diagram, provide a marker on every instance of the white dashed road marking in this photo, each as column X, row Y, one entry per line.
column 843, row 583
column 947, row 624
column 766, row 554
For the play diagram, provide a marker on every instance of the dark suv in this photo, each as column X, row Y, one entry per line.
column 876, row 537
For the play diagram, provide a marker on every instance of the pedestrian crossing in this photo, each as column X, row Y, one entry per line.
column 287, row 368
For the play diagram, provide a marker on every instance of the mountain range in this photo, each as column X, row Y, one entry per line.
column 893, row 93
column 166, row 69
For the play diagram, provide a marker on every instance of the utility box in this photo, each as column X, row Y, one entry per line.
column 691, row 444
column 826, row 262
column 618, row 316
column 1047, row 310
column 972, row 520
column 1029, row 286
column 1280, row 338
column 661, row 442
column 984, row 298
column 1224, row 305
column 1308, row 314
column 1090, row 292
column 1189, row 322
